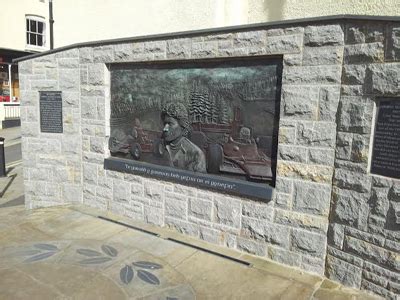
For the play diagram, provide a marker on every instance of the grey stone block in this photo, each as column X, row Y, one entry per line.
column 349, row 206
column 71, row 99
column 364, row 33
column 72, row 193
column 328, row 103
column 385, row 79
column 300, row 220
column 312, row 75
column 179, row 48
column 44, row 85
column 121, row 191
column 367, row 251
column 103, row 54
column 323, row 35
column 379, row 181
column 69, row 79
column 123, row 52
column 365, row 236
column 200, row 209
column 361, row 168
column 336, row 235
column 25, row 67
column 343, row 272
column 287, row 135
column 97, row 145
column 175, row 208
column 312, row 198
column 68, row 63
column 258, row 211
column 321, row 156
column 189, row 191
column 89, row 108
column 96, row 74
column 263, row 230
column 182, row 226
column 312, row 264
column 71, row 53
column 205, row 49
column 90, row 173
column 360, row 148
column 308, row 243
column 393, row 43
column 352, row 181
column 284, row 256
column 316, row 56
column 354, row 74
column 355, row 114
column 364, row 53
column 300, row 102
column 392, row 276
column 293, row 59
column 251, row 246
column 154, row 46
column 211, row 235
column 316, row 134
column 71, row 145
column 227, row 211
column 379, row 201
column 284, row 44
column 284, row 185
column 283, row 200
column 292, row 153
column 218, row 37
column 86, row 55
column 153, row 215
column 285, row 31
column 342, row 255
column 153, row 190
column 249, row 39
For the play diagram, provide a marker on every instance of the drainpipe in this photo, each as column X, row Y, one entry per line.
column 10, row 82
column 51, row 21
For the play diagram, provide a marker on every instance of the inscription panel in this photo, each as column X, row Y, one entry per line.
column 386, row 149
column 51, row 112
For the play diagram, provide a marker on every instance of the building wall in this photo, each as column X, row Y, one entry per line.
column 332, row 72
column 81, row 21
column 12, row 22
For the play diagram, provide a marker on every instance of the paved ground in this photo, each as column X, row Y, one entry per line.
column 71, row 253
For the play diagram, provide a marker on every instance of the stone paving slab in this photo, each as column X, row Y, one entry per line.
column 65, row 253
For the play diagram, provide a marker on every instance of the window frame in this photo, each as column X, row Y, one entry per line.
column 29, row 33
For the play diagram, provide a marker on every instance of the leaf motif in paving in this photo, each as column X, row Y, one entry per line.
column 94, row 260
column 147, row 265
column 126, row 274
column 110, row 251
column 39, row 257
column 148, row 277
column 88, row 252
column 27, row 252
column 48, row 247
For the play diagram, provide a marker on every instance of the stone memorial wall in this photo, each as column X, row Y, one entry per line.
column 333, row 209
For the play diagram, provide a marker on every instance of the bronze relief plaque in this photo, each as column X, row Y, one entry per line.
column 207, row 119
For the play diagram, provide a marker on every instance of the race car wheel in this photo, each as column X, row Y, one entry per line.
column 136, row 151
column 214, row 158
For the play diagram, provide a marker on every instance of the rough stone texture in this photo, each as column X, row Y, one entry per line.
column 300, row 103
column 323, row 35
column 332, row 74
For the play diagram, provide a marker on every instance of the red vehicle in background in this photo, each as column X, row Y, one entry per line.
column 4, row 96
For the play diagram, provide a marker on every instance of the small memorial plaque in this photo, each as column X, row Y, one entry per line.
column 386, row 149
column 51, row 112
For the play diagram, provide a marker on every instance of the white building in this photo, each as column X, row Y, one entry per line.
column 25, row 25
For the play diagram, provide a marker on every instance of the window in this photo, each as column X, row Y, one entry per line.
column 35, row 31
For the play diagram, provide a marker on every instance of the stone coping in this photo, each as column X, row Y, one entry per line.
column 189, row 33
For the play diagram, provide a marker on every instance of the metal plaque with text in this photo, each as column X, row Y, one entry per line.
column 386, row 153
column 51, row 112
